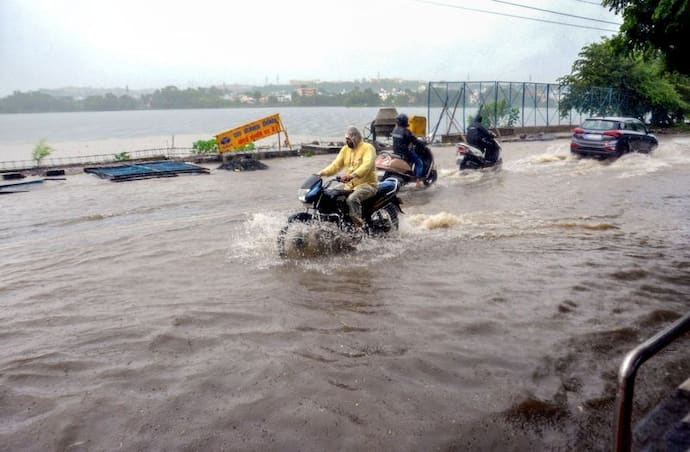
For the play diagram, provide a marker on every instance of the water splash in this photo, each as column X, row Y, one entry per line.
column 324, row 248
column 554, row 158
column 256, row 241
column 441, row 220
column 635, row 164
column 557, row 159
column 591, row 227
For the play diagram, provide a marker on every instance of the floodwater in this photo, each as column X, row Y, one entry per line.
column 157, row 315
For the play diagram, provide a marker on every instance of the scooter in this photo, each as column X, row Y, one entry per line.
column 390, row 165
column 326, row 205
column 471, row 157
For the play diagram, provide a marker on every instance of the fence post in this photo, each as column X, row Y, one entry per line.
column 524, row 88
column 548, row 92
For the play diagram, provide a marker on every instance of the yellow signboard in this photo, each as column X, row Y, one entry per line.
column 418, row 126
column 234, row 139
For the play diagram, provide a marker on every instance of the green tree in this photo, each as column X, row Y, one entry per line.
column 359, row 98
column 33, row 102
column 637, row 84
column 41, row 151
column 661, row 25
column 498, row 114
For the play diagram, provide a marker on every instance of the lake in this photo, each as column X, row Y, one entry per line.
column 96, row 133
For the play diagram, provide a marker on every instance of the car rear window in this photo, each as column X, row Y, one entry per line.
column 636, row 126
column 599, row 124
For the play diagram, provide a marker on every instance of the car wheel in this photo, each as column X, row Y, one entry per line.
column 623, row 149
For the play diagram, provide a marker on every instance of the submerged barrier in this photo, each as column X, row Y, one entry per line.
column 96, row 159
column 166, row 168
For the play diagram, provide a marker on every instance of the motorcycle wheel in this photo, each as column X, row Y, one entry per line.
column 433, row 175
column 384, row 220
column 297, row 242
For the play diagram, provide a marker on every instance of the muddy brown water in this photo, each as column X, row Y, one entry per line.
column 157, row 315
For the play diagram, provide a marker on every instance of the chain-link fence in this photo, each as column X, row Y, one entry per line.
column 509, row 105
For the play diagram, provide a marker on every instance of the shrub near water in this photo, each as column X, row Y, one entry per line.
column 204, row 147
column 211, row 147
column 505, row 115
column 41, row 151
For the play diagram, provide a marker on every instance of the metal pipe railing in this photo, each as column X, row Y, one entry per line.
column 626, row 378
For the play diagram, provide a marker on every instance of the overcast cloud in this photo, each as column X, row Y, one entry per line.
column 146, row 44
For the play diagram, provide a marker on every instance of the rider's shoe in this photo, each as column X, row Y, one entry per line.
column 419, row 184
column 357, row 229
column 357, row 222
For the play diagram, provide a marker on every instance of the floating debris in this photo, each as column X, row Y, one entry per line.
column 242, row 163
column 145, row 170
column 19, row 185
column 12, row 176
column 316, row 147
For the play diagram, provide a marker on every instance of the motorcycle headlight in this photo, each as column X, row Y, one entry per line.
column 308, row 195
column 302, row 194
column 310, row 189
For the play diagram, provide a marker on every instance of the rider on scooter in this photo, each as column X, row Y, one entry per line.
column 404, row 144
column 479, row 137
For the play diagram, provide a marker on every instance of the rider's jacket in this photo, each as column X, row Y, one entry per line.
column 360, row 162
column 402, row 138
column 477, row 134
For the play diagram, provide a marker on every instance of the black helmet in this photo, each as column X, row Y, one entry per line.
column 402, row 120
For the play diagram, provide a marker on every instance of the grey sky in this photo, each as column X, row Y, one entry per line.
column 154, row 43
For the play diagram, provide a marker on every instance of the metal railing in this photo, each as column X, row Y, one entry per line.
column 164, row 153
column 142, row 154
column 627, row 373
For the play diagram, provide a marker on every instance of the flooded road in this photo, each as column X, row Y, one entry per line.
column 157, row 315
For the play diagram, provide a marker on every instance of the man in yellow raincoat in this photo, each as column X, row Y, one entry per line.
column 358, row 158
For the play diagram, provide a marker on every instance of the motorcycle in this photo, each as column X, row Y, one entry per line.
column 390, row 165
column 471, row 157
column 327, row 210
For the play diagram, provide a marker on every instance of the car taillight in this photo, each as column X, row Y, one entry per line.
column 613, row 133
column 578, row 130
column 573, row 145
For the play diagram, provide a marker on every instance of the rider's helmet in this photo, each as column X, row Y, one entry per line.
column 402, row 120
